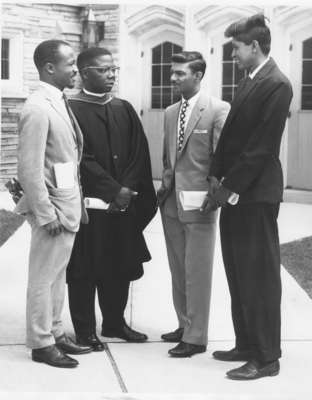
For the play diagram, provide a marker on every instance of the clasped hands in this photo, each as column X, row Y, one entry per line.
column 122, row 200
column 216, row 197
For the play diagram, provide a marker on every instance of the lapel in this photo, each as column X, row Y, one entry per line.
column 243, row 94
column 173, row 129
column 193, row 120
column 62, row 112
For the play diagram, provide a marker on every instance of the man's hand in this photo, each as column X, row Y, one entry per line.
column 213, row 184
column 54, row 228
column 113, row 209
column 217, row 199
column 159, row 195
column 15, row 189
column 124, row 197
column 209, row 204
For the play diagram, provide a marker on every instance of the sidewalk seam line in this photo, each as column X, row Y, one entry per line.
column 120, row 380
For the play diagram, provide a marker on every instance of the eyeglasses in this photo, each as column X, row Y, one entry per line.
column 104, row 69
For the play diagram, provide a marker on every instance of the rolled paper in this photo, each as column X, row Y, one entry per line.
column 92, row 202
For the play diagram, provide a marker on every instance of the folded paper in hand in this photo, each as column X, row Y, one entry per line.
column 64, row 175
column 98, row 204
column 192, row 200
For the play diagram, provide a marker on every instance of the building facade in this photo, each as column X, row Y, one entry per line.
column 142, row 39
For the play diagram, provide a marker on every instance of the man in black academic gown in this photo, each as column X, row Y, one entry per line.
column 108, row 252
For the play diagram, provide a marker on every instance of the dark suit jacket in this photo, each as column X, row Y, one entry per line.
column 247, row 155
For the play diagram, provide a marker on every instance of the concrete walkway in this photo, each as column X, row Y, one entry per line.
column 144, row 371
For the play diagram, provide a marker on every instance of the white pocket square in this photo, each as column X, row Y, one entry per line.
column 200, row 131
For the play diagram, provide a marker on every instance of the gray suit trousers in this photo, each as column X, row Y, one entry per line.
column 48, row 260
column 190, row 248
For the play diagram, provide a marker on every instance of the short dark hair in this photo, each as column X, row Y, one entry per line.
column 194, row 58
column 253, row 28
column 87, row 56
column 48, row 51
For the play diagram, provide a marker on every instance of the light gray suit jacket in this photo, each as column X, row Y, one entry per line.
column 46, row 137
column 188, row 169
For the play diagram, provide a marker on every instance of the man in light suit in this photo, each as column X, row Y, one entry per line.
column 247, row 162
column 50, row 136
column 192, row 127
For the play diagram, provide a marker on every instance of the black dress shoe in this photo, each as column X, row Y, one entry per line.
column 232, row 355
column 187, row 350
column 67, row 345
column 92, row 340
column 253, row 370
column 126, row 333
column 51, row 355
column 175, row 336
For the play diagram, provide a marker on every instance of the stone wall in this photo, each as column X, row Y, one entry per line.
column 36, row 22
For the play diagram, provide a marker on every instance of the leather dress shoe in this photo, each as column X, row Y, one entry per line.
column 90, row 340
column 53, row 356
column 186, row 349
column 253, row 370
column 67, row 345
column 175, row 336
column 232, row 355
column 126, row 333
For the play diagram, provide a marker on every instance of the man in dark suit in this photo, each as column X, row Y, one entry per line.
column 246, row 163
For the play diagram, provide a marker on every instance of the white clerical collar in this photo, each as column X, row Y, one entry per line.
column 94, row 94
column 192, row 100
column 255, row 71
column 53, row 91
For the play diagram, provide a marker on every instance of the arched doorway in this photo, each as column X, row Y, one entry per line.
column 300, row 139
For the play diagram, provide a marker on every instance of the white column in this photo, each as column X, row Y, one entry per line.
column 195, row 39
column 130, row 76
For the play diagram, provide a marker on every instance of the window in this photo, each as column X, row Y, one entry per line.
column 306, row 90
column 12, row 64
column 5, row 54
column 231, row 75
column 162, row 91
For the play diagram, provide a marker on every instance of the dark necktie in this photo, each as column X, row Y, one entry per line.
column 185, row 104
column 245, row 82
column 70, row 114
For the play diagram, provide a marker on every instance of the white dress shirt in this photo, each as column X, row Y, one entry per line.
column 255, row 71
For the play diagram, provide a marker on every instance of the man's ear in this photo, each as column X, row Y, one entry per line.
column 49, row 68
column 255, row 46
column 199, row 75
column 84, row 74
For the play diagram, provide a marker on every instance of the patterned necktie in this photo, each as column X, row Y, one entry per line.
column 185, row 104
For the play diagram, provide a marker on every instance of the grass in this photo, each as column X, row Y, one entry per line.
column 9, row 223
column 297, row 259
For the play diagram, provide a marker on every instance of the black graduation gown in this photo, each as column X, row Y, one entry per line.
column 115, row 154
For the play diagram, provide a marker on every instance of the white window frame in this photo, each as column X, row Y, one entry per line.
column 13, row 87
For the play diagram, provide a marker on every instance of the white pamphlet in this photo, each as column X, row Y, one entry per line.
column 98, row 204
column 192, row 200
column 65, row 175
